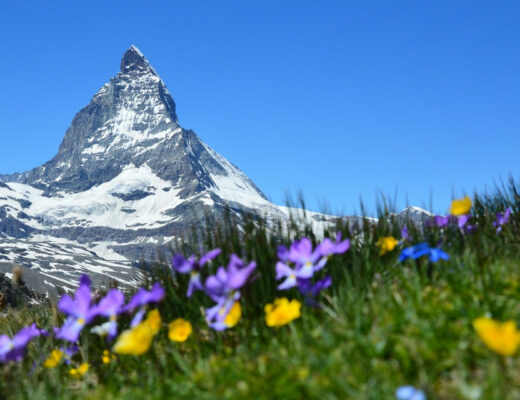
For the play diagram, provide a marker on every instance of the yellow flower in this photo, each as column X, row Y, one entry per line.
column 282, row 312
column 54, row 359
column 80, row 371
column 387, row 244
column 153, row 320
column 134, row 341
column 502, row 338
column 460, row 206
column 179, row 330
column 107, row 357
column 233, row 315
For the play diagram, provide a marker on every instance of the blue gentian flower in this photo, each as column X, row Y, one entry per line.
column 422, row 249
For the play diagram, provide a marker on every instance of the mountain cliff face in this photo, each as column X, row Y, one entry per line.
column 127, row 179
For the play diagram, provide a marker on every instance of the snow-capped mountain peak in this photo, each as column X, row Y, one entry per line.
column 134, row 61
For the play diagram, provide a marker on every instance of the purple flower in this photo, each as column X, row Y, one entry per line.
column 110, row 306
column 283, row 253
column 306, row 260
column 292, row 275
column 502, row 219
column 440, row 221
column 69, row 352
column 226, row 282
column 423, row 249
column 14, row 349
column 78, row 310
column 216, row 315
column 301, row 253
column 405, row 235
column 310, row 290
column 463, row 224
column 141, row 299
column 192, row 267
column 327, row 248
column 224, row 288
column 409, row 393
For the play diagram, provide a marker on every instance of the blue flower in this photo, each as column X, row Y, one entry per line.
column 409, row 393
column 423, row 249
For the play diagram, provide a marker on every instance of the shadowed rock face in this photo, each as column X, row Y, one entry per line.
column 16, row 295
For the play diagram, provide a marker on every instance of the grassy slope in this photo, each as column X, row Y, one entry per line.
column 383, row 324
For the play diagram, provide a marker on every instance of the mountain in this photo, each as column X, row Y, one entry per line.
column 127, row 179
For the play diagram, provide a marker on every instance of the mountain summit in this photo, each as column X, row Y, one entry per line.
column 135, row 61
column 127, row 177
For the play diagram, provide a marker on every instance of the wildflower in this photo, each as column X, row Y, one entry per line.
column 54, row 359
column 460, row 206
column 502, row 338
column 405, row 234
column 69, row 352
column 221, row 317
column 327, row 248
column 179, row 330
column 192, row 267
column 409, row 393
column 78, row 310
column 141, row 299
column 502, row 219
column 292, row 275
column 107, row 357
column 440, row 221
column 224, row 288
column 310, row 291
column 281, row 312
column 301, row 253
column 110, row 306
column 234, row 315
column 14, row 349
column 423, row 249
column 80, row 371
column 154, row 321
column 135, row 341
column 306, row 260
column 387, row 244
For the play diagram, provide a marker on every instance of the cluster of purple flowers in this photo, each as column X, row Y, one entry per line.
column 463, row 221
column 223, row 287
column 298, row 264
column 80, row 311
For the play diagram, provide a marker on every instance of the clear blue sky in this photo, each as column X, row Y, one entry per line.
column 336, row 99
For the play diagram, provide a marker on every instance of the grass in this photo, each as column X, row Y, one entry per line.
column 382, row 324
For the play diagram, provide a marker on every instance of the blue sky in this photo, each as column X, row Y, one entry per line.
column 340, row 100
